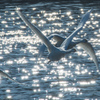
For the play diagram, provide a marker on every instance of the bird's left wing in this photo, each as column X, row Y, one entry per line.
column 36, row 31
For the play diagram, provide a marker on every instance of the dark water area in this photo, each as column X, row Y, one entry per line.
column 72, row 78
column 22, row 2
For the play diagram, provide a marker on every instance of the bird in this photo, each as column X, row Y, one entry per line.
column 64, row 46
column 83, row 43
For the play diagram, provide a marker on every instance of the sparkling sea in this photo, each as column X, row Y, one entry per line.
column 72, row 78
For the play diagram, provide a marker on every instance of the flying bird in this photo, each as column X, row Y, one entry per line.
column 64, row 46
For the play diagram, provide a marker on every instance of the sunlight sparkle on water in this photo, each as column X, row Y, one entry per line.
column 9, row 97
column 24, row 70
column 36, row 85
column 84, row 71
column 6, row 71
column 70, row 17
column 63, row 83
column 57, row 24
column 68, row 13
column 78, row 67
column 35, row 70
column 60, row 95
column 81, row 9
column 42, row 21
column 8, row 90
column 70, row 89
column 33, row 21
column 1, row 57
column 24, row 77
column 36, row 90
column 84, row 83
column 22, row 27
column 9, row 62
column 12, row 13
column 36, row 81
column 3, row 22
column 6, row 51
column 33, row 8
column 21, row 60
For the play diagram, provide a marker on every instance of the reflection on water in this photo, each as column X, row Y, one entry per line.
column 71, row 78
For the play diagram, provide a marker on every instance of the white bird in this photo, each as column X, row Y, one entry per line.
column 65, row 44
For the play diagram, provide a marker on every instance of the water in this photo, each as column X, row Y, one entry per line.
column 74, row 78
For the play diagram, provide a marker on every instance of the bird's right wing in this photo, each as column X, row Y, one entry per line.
column 89, row 49
column 35, row 30
column 67, row 41
column 57, row 37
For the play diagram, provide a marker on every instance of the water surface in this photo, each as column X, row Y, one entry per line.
column 74, row 78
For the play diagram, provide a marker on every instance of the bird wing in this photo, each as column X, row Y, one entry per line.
column 89, row 49
column 35, row 30
column 57, row 37
column 3, row 74
column 67, row 41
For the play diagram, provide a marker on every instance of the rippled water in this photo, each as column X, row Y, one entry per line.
column 74, row 78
